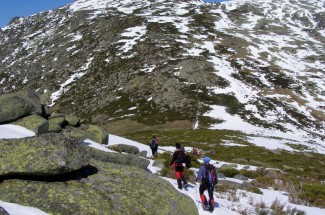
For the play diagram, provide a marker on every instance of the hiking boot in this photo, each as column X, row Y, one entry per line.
column 185, row 186
column 180, row 187
column 205, row 207
column 211, row 208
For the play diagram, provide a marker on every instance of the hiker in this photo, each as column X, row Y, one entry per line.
column 195, row 151
column 154, row 145
column 176, row 162
column 207, row 183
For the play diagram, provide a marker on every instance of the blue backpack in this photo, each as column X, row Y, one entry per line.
column 152, row 144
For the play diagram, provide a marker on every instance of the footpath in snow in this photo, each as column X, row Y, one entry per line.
column 225, row 203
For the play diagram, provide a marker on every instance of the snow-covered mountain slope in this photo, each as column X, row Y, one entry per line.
column 253, row 66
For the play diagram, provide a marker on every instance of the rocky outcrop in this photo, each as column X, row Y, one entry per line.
column 125, row 148
column 94, row 182
column 114, row 189
column 92, row 132
column 24, row 108
column 45, row 155
column 59, row 174
column 124, row 159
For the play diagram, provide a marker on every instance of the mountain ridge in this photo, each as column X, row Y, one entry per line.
column 154, row 62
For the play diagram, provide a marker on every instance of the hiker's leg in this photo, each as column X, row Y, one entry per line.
column 179, row 179
column 211, row 199
column 183, row 178
column 202, row 196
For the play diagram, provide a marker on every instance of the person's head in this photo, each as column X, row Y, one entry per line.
column 206, row 159
column 178, row 145
column 154, row 137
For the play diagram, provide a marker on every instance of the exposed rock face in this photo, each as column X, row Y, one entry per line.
column 45, row 155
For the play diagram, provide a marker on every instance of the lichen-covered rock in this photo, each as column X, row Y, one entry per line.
column 130, row 160
column 19, row 104
column 46, row 154
column 14, row 107
column 56, row 123
column 159, row 163
column 92, row 132
column 125, row 148
column 143, row 154
column 72, row 120
column 32, row 98
column 114, row 189
column 240, row 177
column 34, row 123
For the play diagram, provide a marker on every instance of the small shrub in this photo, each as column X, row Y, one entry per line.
column 229, row 172
column 244, row 211
column 249, row 174
column 254, row 190
column 223, row 188
column 278, row 207
column 314, row 194
column 167, row 172
column 232, row 196
column 265, row 181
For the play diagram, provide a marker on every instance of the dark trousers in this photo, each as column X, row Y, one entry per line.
column 204, row 187
column 153, row 150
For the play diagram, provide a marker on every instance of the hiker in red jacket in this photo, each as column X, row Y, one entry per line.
column 176, row 162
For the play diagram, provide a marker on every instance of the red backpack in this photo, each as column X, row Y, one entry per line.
column 211, row 174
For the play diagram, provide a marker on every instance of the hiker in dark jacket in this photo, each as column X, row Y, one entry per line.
column 206, row 185
column 178, row 166
column 154, row 145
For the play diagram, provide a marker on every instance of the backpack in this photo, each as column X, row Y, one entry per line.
column 183, row 158
column 152, row 144
column 211, row 174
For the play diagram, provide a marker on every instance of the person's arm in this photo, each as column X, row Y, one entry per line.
column 173, row 159
column 200, row 173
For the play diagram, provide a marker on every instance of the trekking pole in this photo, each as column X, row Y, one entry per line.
column 196, row 190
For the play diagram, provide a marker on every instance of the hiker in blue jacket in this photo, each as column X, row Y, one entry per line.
column 208, row 182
